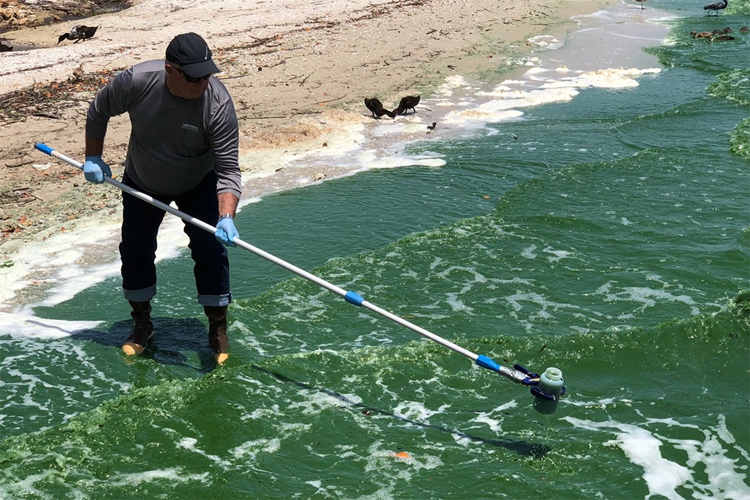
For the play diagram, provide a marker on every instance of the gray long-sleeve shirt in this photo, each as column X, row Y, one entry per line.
column 174, row 142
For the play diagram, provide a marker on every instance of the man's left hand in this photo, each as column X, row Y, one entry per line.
column 226, row 232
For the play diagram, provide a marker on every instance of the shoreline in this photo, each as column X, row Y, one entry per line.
column 277, row 141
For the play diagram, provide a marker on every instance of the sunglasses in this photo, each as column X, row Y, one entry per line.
column 192, row 79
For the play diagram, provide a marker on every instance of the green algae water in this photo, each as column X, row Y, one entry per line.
column 607, row 236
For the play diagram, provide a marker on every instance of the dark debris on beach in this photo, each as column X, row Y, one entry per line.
column 45, row 100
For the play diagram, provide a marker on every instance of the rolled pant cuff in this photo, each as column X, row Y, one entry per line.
column 215, row 300
column 142, row 295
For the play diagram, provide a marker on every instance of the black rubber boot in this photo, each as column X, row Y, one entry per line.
column 143, row 329
column 217, row 331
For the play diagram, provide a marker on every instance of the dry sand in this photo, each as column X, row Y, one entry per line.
column 298, row 72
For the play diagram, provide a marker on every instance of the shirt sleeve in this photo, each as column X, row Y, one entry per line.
column 112, row 100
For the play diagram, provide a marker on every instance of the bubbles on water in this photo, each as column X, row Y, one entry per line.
column 707, row 470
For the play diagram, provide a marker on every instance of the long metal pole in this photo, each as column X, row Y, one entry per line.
column 351, row 297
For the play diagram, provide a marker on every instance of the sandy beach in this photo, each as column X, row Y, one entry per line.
column 298, row 74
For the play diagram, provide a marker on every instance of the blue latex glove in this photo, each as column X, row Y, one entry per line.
column 94, row 169
column 226, row 232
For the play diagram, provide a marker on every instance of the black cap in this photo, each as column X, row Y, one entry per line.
column 191, row 53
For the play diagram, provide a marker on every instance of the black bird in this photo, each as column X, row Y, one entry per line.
column 407, row 103
column 5, row 48
column 716, row 7
column 377, row 109
column 78, row 33
column 432, row 127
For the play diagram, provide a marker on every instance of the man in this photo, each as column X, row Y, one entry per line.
column 183, row 148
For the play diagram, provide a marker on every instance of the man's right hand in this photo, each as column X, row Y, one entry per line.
column 226, row 232
column 94, row 169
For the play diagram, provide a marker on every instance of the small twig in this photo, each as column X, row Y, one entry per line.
column 336, row 99
column 304, row 113
column 45, row 115
column 264, row 117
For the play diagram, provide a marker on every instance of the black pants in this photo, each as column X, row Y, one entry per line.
column 140, row 225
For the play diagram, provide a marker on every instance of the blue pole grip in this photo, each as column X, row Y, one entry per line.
column 354, row 298
column 43, row 148
column 488, row 363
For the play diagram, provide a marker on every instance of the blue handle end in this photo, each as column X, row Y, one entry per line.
column 488, row 363
column 43, row 148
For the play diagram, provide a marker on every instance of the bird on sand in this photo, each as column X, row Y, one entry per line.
column 716, row 6
column 78, row 33
column 407, row 103
column 641, row 2
column 432, row 127
column 377, row 109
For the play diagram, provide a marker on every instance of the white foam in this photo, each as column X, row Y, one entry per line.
column 647, row 297
column 529, row 252
column 610, row 78
column 249, row 450
column 171, row 474
column 663, row 476
column 30, row 326
column 508, row 101
column 191, row 445
column 557, row 255
column 413, row 410
column 46, row 257
column 472, row 118
column 316, row 402
column 452, row 83
column 494, row 424
column 546, row 41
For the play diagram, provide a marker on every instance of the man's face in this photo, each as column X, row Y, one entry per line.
column 182, row 85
